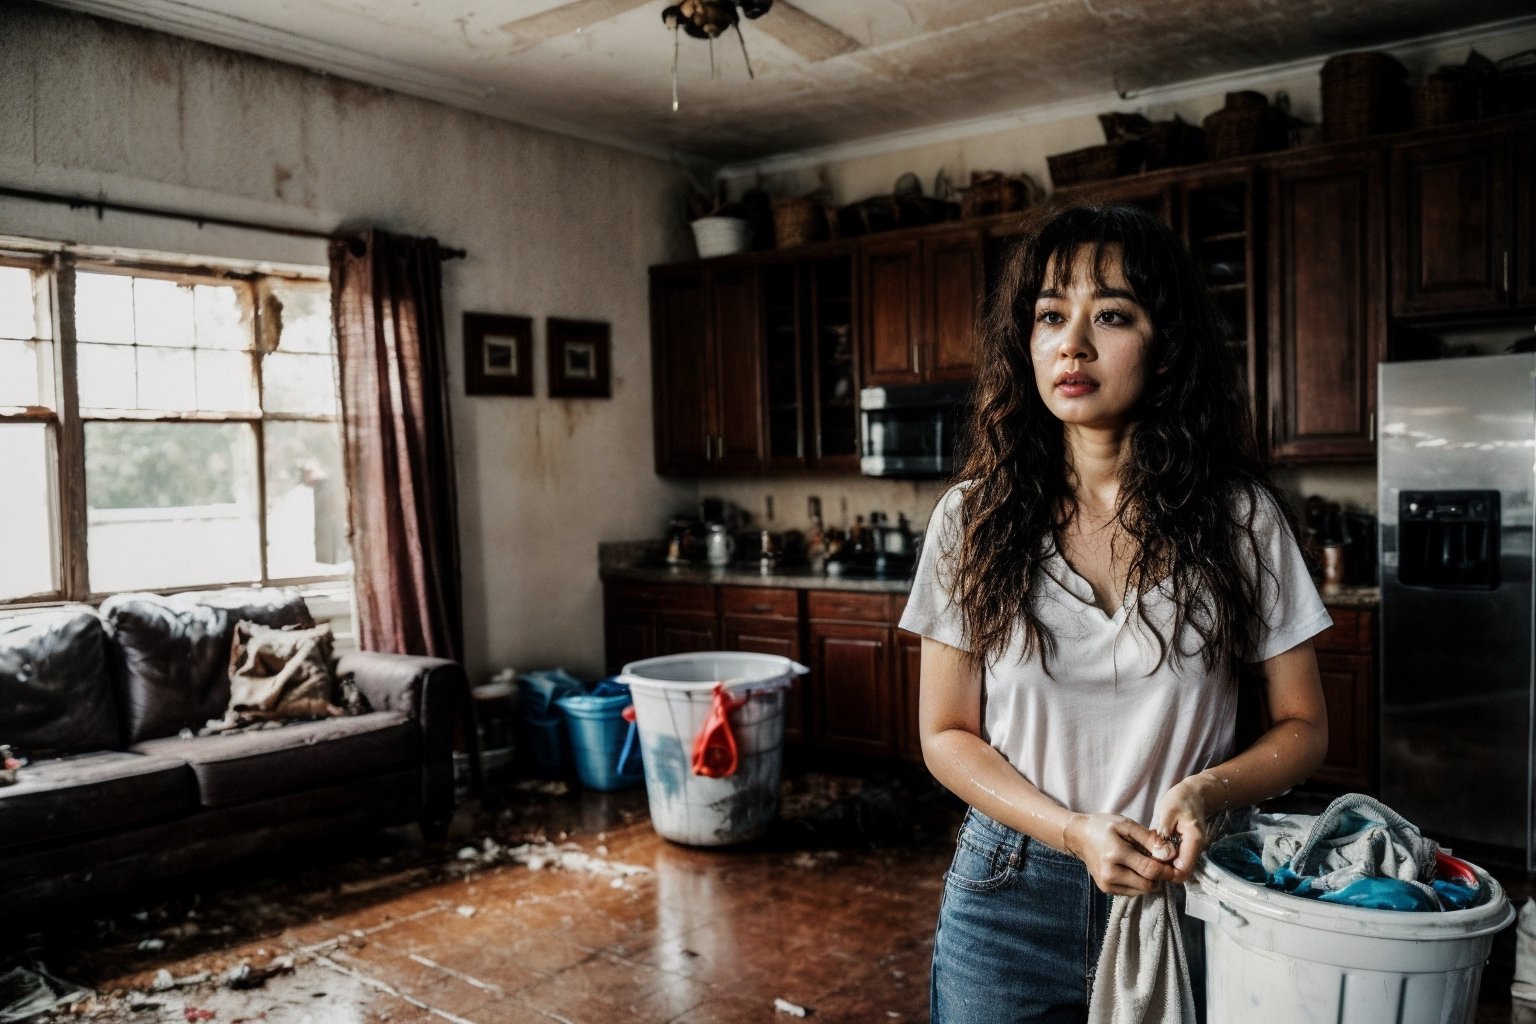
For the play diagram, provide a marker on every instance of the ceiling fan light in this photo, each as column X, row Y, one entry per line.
column 755, row 8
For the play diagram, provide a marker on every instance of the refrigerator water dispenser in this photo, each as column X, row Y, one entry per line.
column 1448, row 539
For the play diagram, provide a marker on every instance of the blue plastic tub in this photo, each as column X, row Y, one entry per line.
column 607, row 757
column 543, row 749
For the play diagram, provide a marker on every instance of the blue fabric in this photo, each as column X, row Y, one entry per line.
column 1019, row 931
column 1456, row 895
column 1381, row 894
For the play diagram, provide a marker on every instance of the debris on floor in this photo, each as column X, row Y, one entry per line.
column 793, row 1009
column 27, row 992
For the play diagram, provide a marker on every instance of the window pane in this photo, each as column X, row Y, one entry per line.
column 106, row 374
column 304, row 384
column 18, row 303
column 170, row 504
column 167, row 379
column 226, row 381
column 221, row 317
column 103, row 308
column 30, row 561
column 306, row 500
column 162, row 312
column 20, row 381
column 306, row 316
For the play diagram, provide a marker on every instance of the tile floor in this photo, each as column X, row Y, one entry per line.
column 563, row 908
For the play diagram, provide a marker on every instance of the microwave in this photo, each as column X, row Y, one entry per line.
column 909, row 430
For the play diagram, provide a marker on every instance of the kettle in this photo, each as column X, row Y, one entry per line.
column 719, row 545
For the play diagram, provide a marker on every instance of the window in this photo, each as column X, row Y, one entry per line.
column 165, row 428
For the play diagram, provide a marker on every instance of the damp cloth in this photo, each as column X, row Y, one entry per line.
column 1524, row 986
column 1359, row 852
column 714, row 749
column 1357, row 837
column 1143, row 972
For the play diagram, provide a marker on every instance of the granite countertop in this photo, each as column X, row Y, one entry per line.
column 1352, row 597
column 644, row 562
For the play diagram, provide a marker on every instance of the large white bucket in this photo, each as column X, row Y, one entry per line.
column 673, row 697
column 1274, row 957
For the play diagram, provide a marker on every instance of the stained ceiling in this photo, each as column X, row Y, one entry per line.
column 825, row 72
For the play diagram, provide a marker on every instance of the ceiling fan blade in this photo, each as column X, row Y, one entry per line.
column 808, row 36
column 534, row 29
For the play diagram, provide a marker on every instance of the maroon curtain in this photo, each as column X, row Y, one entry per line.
column 386, row 295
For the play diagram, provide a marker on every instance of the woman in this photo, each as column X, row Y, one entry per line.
column 1087, row 596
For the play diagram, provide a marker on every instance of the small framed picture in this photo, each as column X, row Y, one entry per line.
column 498, row 354
column 578, row 358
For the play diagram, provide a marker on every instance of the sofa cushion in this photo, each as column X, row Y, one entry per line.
column 235, row 767
column 280, row 674
column 56, row 694
column 171, row 654
column 96, row 792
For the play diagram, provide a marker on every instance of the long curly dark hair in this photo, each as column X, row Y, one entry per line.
column 1192, row 481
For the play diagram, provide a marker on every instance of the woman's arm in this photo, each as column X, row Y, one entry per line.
column 1287, row 754
column 949, row 720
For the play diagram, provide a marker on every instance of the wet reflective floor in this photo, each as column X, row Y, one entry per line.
column 555, row 905
column 549, row 908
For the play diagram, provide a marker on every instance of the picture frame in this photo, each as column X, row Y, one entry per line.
column 579, row 358
column 498, row 355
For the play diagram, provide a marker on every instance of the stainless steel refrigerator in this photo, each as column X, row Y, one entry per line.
column 1456, row 470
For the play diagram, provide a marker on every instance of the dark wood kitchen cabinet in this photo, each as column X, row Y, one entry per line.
column 849, row 635
column 646, row 620
column 1346, row 662
column 1454, row 244
column 810, row 372
column 920, row 304
column 1326, row 317
column 1525, row 217
column 906, row 671
column 706, row 353
column 766, row 620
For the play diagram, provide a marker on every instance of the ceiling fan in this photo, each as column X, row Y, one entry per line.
column 805, row 34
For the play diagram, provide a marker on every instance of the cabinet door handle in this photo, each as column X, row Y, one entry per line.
column 1506, row 272
column 1371, row 428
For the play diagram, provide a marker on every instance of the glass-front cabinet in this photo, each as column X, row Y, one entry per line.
column 810, row 373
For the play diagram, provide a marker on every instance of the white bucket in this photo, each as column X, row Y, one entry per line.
column 1271, row 956
column 673, row 698
column 720, row 236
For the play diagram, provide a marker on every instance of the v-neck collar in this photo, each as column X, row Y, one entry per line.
column 1073, row 584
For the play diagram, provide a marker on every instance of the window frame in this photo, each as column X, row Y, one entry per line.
column 55, row 269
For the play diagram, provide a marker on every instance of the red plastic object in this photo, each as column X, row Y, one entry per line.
column 1455, row 869
column 714, row 749
column 628, row 714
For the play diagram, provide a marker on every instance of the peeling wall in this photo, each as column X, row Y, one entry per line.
column 553, row 227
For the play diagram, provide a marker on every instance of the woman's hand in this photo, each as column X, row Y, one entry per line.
column 1124, row 858
column 1180, row 815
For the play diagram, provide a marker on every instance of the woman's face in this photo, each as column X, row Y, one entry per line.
column 1089, row 343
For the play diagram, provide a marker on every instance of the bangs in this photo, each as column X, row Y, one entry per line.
column 1142, row 243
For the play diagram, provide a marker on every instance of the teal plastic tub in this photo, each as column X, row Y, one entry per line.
column 607, row 756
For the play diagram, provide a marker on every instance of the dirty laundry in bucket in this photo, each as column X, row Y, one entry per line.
column 1359, row 853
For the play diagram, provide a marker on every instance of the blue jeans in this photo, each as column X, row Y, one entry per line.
column 1019, row 931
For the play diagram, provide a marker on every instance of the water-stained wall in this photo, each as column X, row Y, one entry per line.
column 553, row 227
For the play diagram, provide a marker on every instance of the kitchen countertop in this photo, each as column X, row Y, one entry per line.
column 643, row 562
column 1352, row 597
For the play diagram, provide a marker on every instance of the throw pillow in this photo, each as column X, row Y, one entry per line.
column 280, row 674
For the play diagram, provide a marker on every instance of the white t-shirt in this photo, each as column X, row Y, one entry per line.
column 1100, row 734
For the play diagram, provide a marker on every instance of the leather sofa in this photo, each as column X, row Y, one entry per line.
column 121, row 789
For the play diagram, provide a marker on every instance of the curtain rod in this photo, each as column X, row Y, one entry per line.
column 101, row 206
